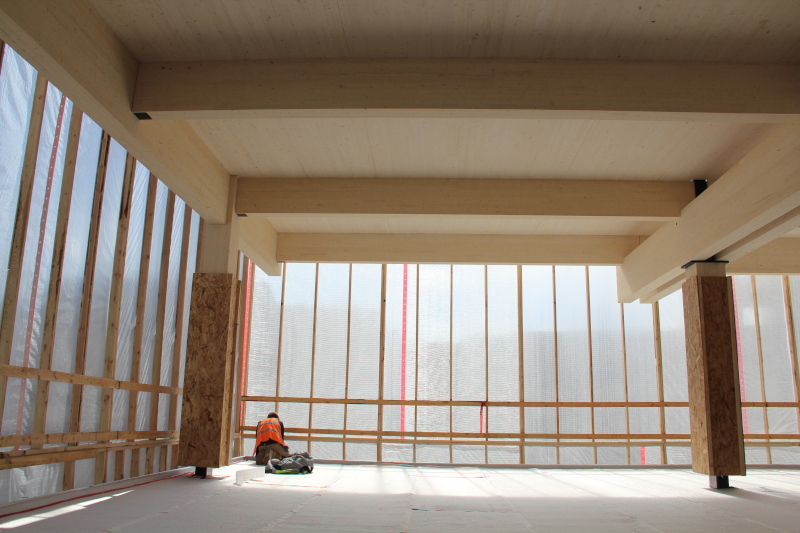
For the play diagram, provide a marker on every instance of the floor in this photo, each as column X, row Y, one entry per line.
column 434, row 499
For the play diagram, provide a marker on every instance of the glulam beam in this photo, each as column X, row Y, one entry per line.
column 642, row 200
column 469, row 88
column 753, row 203
column 454, row 248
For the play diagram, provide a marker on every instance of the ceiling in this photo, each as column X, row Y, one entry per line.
column 347, row 147
column 675, row 30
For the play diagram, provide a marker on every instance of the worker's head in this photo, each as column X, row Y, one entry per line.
column 272, row 415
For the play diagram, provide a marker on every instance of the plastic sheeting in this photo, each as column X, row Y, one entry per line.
column 264, row 339
column 399, row 374
column 749, row 371
column 463, row 333
column 69, row 303
column 17, row 80
column 16, row 91
column 330, row 363
column 37, row 258
column 101, row 290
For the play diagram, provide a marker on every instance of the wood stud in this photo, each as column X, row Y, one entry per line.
column 56, row 269
column 20, row 231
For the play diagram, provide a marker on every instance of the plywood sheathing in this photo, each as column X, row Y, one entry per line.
column 205, row 420
column 711, row 357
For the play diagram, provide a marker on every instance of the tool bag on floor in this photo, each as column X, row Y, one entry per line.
column 297, row 463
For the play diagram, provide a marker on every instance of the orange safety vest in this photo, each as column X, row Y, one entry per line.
column 268, row 429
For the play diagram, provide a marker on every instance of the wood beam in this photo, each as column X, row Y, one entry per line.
column 461, row 87
column 781, row 256
column 644, row 200
column 749, row 206
column 71, row 45
column 258, row 240
column 454, row 248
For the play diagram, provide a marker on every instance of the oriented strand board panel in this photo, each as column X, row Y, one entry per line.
column 687, row 30
column 205, row 418
column 711, row 357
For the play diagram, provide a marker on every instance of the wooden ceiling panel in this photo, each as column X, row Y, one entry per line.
column 495, row 148
column 688, row 30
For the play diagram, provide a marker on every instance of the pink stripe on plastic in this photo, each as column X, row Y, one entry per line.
column 37, row 268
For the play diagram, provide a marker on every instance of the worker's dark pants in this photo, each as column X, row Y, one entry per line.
column 268, row 451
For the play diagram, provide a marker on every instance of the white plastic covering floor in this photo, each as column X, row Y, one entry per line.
column 436, row 499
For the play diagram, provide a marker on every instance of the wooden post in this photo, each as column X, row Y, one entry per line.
column 242, row 343
column 114, row 309
column 591, row 356
column 625, row 380
column 347, row 357
column 761, row 364
column 20, row 232
column 249, row 338
column 659, row 378
column 280, row 338
column 158, row 348
column 787, row 299
column 177, row 348
column 416, row 367
column 520, row 335
column 555, row 355
column 715, row 407
column 313, row 352
column 486, row 354
column 450, row 447
column 141, row 304
column 381, row 361
column 86, row 302
column 56, row 270
column 205, row 417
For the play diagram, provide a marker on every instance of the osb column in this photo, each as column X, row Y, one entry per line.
column 205, row 428
column 210, row 350
column 715, row 407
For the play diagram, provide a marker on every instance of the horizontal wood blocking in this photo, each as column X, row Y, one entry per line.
column 22, row 458
column 92, row 436
column 643, row 200
column 516, row 442
column 495, row 435
column 455, row 248
column 753, row 203
column 461, row 87
column 476, row 403
column 80, row 379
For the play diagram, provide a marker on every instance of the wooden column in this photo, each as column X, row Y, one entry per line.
column 211, row 348
column 714, row 399
column 207, row 387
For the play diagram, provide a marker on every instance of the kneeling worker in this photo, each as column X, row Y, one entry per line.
column 269, row 438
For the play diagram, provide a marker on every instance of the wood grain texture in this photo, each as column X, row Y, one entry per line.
column 712, row 363
column 210, row 357
column 737, row 214
column 455, row 248
column 644, row 200
column 468, row 88
column 679, row 30
column 9, row 311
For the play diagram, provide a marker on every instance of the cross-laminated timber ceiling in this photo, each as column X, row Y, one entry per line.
column 678, row 30
column 618, row 147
